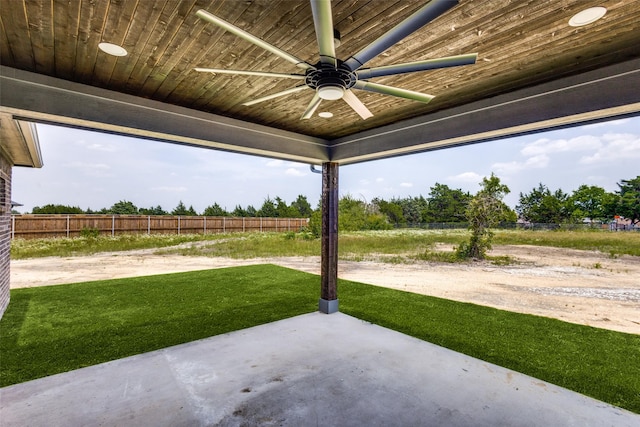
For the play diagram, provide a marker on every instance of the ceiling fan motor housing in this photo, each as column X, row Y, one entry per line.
column 330, row 82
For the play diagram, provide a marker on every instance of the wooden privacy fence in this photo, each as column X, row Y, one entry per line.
column 33, row 226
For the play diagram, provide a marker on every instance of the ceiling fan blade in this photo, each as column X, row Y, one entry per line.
column 410, row 67
column 424, row 15
column 203, row 14
column 313, row 105
column 357, row 105
column 250, row 73
column 275, row 95
column 394, row 91
column 323, row 23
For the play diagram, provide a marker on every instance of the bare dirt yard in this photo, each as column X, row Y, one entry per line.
column 584, row 287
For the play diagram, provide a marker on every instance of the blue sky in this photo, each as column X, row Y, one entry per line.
column 94, row 170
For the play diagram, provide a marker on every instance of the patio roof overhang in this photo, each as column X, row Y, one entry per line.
column 592, row 96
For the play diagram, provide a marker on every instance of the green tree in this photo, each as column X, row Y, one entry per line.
column 283, row 210
column 216, row 210
column 268, row 209
column 628, row 204
column 56, row 209
column 355, row 215
column 352, row 214
column 124, row 207
column 508, row 214
column 238, row 212
column 153, row 211
column 392, row 210
column 251, row 211
column 315, row 220
column 589, row 202
column 412, row 208
column 485, row 210
column 181, row 210
column 301, row 208
column 542, row 206
column 445, row 204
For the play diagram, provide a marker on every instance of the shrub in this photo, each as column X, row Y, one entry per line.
column 88, row 232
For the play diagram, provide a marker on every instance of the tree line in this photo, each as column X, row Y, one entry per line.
column 540, row 205
column 443, row 204
column 271, row 208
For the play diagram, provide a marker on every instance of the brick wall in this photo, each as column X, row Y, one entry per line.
column 5, row 231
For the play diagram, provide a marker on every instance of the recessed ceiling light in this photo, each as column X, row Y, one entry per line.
column 112, row 49
column 587, row 16
column 326, row 114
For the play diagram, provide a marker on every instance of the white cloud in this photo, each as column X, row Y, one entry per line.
column 364, row 182
column 535, row 162
column 546, row 146
column 619, row 146
column 406, row 184
column 466, row 177
column 507, row 167
column 379, row 179
column 294, row 172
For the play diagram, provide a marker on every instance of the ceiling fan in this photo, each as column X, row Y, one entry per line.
column 333, row 79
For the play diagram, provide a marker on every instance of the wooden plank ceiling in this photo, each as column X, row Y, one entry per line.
column 519, row 44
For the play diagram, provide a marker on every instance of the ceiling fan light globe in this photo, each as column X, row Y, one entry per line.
column 330, row 92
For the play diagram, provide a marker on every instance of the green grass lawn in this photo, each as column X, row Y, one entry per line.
column 53, row 329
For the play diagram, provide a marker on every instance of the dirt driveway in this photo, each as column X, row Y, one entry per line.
column 583, row 287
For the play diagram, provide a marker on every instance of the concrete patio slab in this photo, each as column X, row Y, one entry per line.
column 315, row 369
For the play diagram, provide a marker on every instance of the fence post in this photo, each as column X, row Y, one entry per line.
column 178, row 224
column 148, row 225
column 205, row 225
column 13, row 226
column 113, row 225
column 243, row 224
column 67, row 225
column 224, row 224
column 261, row 224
